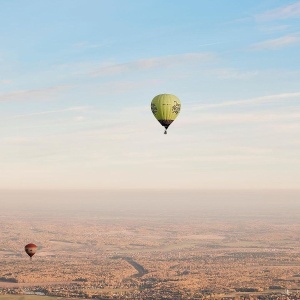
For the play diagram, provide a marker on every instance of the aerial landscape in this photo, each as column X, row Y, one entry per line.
column 149, row 149
column 198, row 250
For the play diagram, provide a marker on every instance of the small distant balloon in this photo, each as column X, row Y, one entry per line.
column 30, row 249
column 165, row 108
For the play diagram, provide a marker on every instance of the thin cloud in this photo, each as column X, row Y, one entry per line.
column 288, row 128
column 33, row 94
column 240, row 20
column 277, row 43
column 156, row 62
column 16, row 140
column 48, row 112
column 123, row 86
column 232, row 118
column 263, row 99
column 79, row 119
column 274, row 28
column 233, row 74
column 87, row 45
column 284, row 12
column 6, row 82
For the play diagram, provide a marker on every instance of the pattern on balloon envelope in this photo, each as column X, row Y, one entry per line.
column 176, row 107
column 153, row 108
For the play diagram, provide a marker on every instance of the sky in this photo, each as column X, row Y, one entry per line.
column 77, row 78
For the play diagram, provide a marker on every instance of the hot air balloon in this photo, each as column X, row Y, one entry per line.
column 30, row 249
column 165, row 108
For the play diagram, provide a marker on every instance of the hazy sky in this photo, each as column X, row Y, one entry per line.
column 77, row 78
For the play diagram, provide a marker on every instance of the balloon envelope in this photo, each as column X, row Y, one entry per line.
column 30, row 249
column 165, row 108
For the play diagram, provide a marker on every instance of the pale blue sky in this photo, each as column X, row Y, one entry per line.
column 77, row 79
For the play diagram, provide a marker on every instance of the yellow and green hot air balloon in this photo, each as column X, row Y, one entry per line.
column 165, row 108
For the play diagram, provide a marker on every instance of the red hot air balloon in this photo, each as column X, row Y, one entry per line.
column 30, row 249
